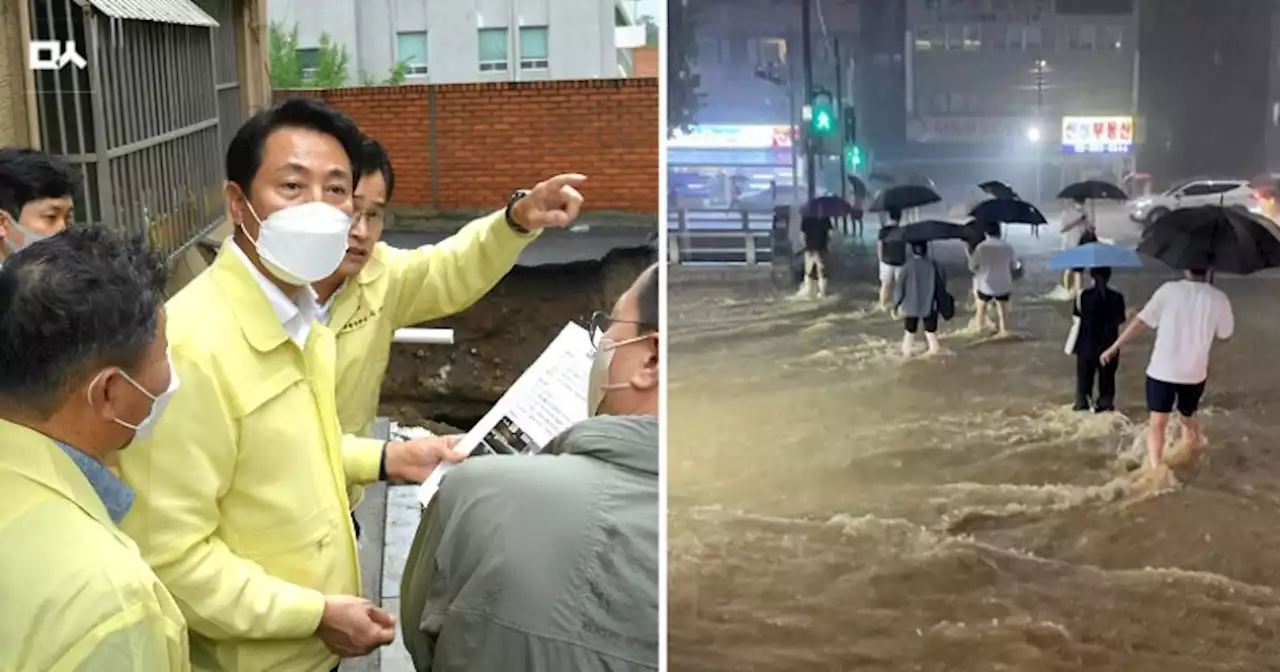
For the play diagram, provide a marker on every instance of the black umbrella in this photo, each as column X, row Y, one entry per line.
column 1093, row 189
column 921, row 181
column 905, row 197
column 930, row 230
column 859, row 187
column 1229, row 239
column 1009, row 211
column 827, row 206
column 999, row 189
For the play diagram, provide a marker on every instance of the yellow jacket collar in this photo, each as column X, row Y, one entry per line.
column 352, row 296
column 36, row 457
column 257, row 319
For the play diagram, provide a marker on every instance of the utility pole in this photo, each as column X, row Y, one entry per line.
column 807, row 55
column 843, row 109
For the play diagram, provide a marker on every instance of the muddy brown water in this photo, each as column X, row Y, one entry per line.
column 835, row 508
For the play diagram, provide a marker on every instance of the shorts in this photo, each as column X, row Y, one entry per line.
column 988, row 298
column 1163, row 397
column 912, row 324
column 891, row 273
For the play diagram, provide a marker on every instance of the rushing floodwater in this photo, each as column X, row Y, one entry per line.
column 835, row 508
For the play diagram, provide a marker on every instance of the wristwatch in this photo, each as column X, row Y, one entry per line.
column 511, row 222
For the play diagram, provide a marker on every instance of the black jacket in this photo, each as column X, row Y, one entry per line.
column 1102, row 312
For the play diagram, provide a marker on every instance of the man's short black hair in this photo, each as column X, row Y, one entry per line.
column 895, row 214
column 244, row 156
column 991, row 228
column 373, row 158
column 647, row 301
column 1198, row 272
column 27, row 175
column 84, row 299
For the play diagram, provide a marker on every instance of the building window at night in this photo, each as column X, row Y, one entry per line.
column 925, row 38
column 1033, row 38
column 1112, row 39
column 1015, row 38
column 954, row 35
column 1088, row 38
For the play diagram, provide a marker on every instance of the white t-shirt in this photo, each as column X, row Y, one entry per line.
column 992, row 264
column 1187, row 316
column 1071, row 238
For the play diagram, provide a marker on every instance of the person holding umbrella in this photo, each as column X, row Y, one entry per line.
column 1187, row 316
column 993, row 263
column 892, row 254
column 1076, row 228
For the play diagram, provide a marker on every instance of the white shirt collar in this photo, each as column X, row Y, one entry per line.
column 296, row 317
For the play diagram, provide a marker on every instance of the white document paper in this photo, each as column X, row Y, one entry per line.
column 548, row 398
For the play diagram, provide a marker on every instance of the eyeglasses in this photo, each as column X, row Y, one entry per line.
column 602, row 322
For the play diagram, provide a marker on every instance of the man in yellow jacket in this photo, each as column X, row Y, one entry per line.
column 241, row 492
column 83, row 372
column 378, row 288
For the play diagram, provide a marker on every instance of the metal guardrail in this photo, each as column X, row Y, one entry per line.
column 720, row 237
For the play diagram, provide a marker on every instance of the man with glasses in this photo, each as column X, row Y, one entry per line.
column 551, row 561
column 378, row 288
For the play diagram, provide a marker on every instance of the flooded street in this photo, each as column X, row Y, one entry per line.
column 833, row 507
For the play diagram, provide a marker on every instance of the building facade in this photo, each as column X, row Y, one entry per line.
column 749, row 62
column 1036, row 93
column 458, row 41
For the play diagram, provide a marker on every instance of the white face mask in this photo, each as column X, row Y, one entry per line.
column 159, row 402
column 599, row 377
column 302, row 244
column 29, row 237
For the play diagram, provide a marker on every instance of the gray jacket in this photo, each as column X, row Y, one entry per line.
column 916, row 293
column 546, row 563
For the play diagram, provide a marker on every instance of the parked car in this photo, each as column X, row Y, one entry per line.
column 1147, row 209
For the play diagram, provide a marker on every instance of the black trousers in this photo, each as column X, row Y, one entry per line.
column 1087, row 368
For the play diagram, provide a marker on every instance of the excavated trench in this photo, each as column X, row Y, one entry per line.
column 500, row 336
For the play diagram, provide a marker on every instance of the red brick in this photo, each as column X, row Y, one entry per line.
column 493, row 138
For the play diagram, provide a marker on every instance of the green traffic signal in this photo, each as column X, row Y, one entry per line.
column 853, row 157
column 822, row 121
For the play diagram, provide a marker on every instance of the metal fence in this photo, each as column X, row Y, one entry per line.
column 719, row 237
column 148, row 120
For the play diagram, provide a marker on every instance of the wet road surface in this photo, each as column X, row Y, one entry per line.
column 833, row 507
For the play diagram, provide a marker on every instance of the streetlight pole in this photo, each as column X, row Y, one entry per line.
column 807, row 56
column 1040, row 65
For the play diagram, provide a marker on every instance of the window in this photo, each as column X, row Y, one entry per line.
column 953, row 37
column 533, row 48
column 926, row 38
column 1088, row 38
column 972, row 38
column 771, row 51
column 1014, row 35
column 1112, row 39
column 1033, row 37
column 411, row 49
column 309, row 59
column 494, row 56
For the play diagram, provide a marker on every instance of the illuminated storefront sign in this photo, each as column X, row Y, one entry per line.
column 756, row 136
column 1097, row 135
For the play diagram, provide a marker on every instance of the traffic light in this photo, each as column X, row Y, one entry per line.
column 853, row 158
column 823, row 121
column 850, row 125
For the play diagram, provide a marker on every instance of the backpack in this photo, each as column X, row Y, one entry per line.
column 943, row 302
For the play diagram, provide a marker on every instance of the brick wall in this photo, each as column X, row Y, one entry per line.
column 646, row 61
column 491, row 139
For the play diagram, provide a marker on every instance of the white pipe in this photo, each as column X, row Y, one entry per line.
column 424, row 336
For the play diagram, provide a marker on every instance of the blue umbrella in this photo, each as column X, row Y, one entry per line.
column 1094, row 255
